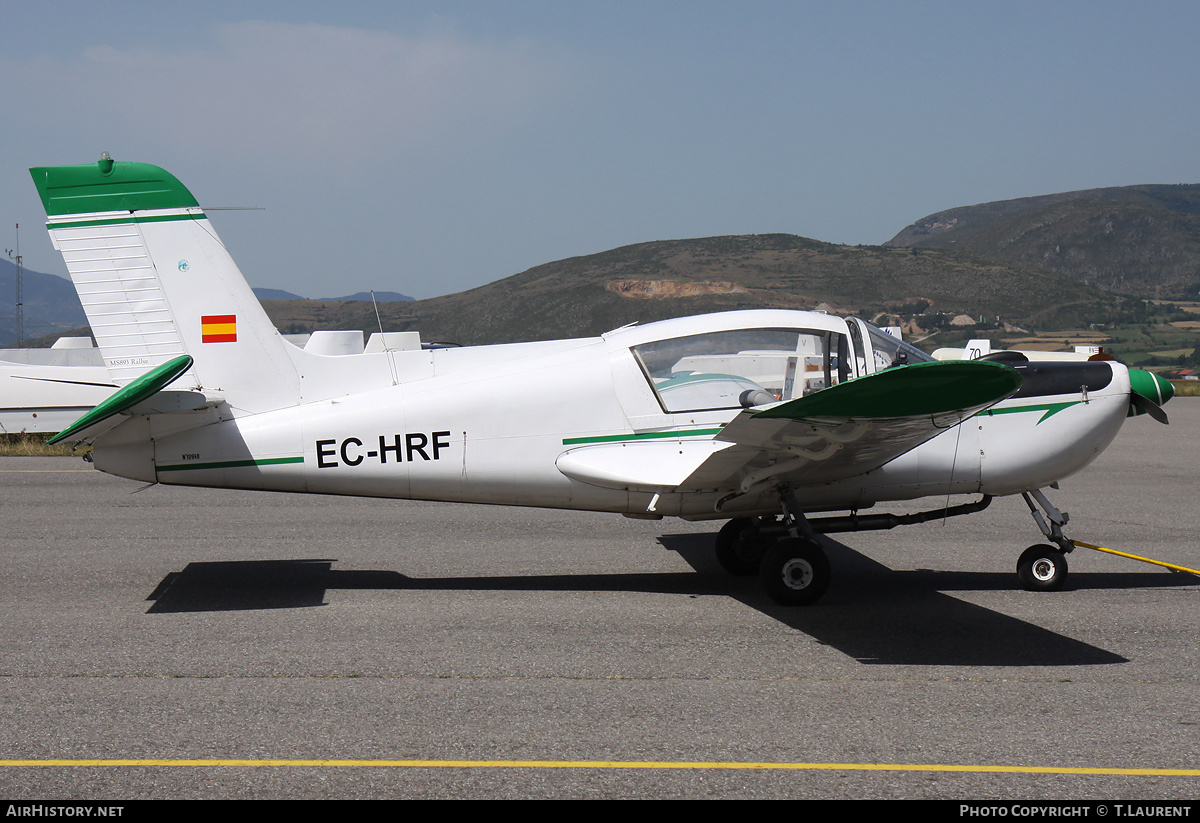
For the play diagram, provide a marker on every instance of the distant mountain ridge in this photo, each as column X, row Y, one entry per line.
column 362, row 296
column 49, row 304
column 1051, row 261
column 275, row 294
column 588, row 295
column 367, row 297
column 1141, row 241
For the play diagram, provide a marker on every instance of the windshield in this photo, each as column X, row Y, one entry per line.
column 742, row 368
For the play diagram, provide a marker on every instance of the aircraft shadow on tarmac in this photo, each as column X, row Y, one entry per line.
column 870, row 613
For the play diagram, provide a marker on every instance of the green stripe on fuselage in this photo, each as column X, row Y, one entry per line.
column 617, row 438
column 230, row 464
column 1050, row 409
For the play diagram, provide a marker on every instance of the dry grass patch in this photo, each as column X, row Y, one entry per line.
column 33, row 445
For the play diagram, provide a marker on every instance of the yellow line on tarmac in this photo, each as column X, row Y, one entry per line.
column 612, row 764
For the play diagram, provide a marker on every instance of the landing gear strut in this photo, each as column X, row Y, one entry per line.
column 783, row 552
column 1043, row 568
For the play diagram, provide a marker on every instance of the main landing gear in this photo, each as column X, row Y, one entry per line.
column 794, row 569
column 741, row 546
column 785, row 553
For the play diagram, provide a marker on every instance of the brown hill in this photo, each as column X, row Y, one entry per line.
column 1142, row 241
column 651, row 281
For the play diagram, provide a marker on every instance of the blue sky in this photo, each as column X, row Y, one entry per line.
column 428, row 147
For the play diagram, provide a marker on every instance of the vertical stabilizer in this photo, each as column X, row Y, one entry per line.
column 157, row 283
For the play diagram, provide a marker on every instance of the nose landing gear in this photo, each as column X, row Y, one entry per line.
column 1043, row 568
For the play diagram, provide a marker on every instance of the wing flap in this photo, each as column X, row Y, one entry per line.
column 639, row 466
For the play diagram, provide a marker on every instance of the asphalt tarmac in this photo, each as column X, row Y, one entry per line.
column 191, row 629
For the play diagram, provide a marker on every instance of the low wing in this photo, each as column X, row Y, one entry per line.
column 839, row 432
column 854, row 427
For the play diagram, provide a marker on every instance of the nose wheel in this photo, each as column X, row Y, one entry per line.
column 1042, row 568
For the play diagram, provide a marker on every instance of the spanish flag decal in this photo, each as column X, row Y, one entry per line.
column 218, row 328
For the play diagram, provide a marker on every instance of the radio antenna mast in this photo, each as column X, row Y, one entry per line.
column 20, row 313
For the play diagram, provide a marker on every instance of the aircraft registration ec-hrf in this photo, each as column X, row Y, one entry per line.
column 755, row 417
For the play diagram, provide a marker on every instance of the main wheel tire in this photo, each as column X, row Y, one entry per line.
column 1042, row 568
column 795, row 572
column 740, row 549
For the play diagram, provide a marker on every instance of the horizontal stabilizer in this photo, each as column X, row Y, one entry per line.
column 136, row 391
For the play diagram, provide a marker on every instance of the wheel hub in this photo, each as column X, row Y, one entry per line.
column 797, row 573
column 1043, row 569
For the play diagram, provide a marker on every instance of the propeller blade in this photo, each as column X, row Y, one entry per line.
column 1149, row 406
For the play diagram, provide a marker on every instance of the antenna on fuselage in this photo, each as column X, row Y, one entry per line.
column 20, row 311
column 382, row 336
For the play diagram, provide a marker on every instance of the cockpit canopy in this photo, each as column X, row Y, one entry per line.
column 741, row 368
column 746, row 367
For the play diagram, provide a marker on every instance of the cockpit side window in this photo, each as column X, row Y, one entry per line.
column 842, row 360
column 742, row 368
column 889, row 351
column 856, row 328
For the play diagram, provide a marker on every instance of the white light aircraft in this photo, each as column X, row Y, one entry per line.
column 755, row 417
column 45, row 390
